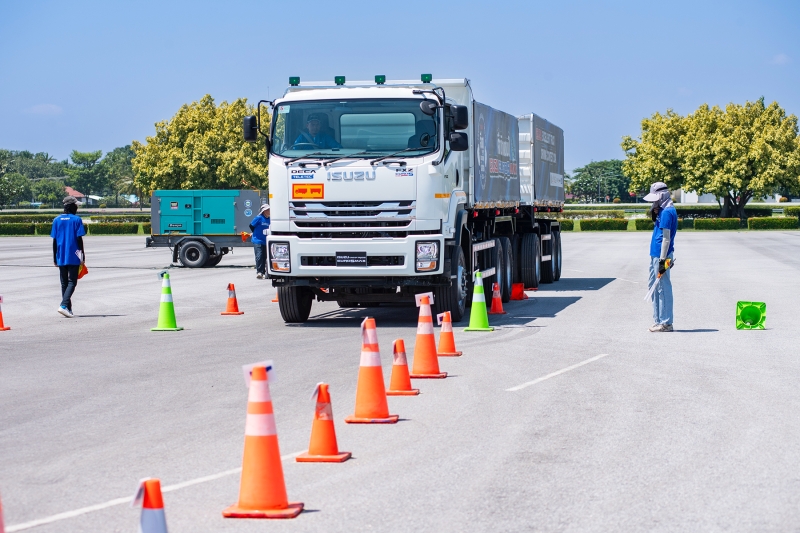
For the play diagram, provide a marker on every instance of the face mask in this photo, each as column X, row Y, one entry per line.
column 654, row 211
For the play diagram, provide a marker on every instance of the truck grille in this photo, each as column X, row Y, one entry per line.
column 340, row 216
column 372, row 260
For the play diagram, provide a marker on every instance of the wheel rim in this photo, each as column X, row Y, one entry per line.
column 192, row 254
column 462, row 288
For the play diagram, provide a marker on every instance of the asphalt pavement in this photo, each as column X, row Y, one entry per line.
column 695, row 430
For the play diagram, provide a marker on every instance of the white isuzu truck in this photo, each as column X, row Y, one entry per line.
column 382, row 190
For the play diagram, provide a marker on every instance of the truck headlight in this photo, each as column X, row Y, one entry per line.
column 279, row 257
column 427, row 256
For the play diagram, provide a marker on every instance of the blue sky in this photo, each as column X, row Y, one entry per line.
column 92, row 75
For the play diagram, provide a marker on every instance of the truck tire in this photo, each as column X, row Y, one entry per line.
column 193, row 254
column 549, row 267
column 454, row 297
column 495, row 260
column 516, row 245
column 557, row 249
column 295, row 303
column 213, row 261
column 508, row 269
column 531, row 266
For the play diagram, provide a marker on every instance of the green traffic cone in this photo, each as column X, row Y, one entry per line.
column 751, row 315
column 166, row 313
column 478, row 317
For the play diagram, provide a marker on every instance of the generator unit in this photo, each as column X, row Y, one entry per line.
column 202, row 226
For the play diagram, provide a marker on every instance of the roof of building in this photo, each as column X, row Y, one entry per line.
column 72, row 192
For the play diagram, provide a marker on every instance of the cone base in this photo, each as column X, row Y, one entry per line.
column 518, row 299
column 410, row 392
column 274, row 301
column 479, row 329
column 338, row 458
column 497, row 313
column 450, row 354
column 5, row 328
column 166, row 329
column 429, row 376
column 392, row 419
column 232, row 313
column 234, row 511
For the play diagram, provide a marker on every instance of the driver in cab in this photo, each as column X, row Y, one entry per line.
column 313, row 136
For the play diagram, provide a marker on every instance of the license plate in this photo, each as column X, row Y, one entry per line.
column 351, row 259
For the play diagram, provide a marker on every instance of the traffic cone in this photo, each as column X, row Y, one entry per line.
column 166, row 313
column 426, row 361
column 274, row 300
column 447, row 343
column 148, row 495
column 371, row 406
column 2, row 328
column 497, row 301
column 478, row 319
column 323, row 447
column 400, row 384
column 262, row 492
column 518, row 291
column 233, row 303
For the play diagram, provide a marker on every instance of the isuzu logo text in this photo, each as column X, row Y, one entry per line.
column 355, row 175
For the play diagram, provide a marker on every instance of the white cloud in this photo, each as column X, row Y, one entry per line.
column 781, row 59
column 44, row 109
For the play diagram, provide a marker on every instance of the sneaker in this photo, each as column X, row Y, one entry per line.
column 660, row 328
column 65, row 312
column 259, row 276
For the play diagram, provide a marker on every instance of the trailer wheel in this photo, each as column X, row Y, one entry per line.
column 295, row 303
column 549, row 267
column 557, row 248
column 213, row 261
column 531, row 267
column 193, row 254
column 453, row 298
column 508, row 269
column 495, row 256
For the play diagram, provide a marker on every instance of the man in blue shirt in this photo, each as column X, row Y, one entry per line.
column 312, row 137
column 68, row 253
column 662, row 246
column 260, row 228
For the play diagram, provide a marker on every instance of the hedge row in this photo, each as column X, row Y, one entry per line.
column 713, row 211
column 591, row 213
column 567, row 224
column 772, row 223
column 31, row 219
column 121, row 218
column 146, row 228
column 115, row 228
column 604, row 224
column 16, row 228
column 645, row 224
column 717, row 223
column 791, row 211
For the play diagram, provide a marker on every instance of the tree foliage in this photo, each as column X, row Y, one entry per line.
column 14, row 187
column 599, row 179
column 118, row 169
column 49, row 191
column 201, row 147
column 739, row 153
column 86, row 174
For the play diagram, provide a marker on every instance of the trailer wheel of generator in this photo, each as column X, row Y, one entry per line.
column 531, row 267
column 508, row 269
column 453, row 298
column 295, row 303
column 213, row 261
column 495, row 260
column 516, row 249
column 193, row 254
column 549, row 267
column 557, row 248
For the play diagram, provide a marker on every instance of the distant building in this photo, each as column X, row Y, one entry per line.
column 82, row 198
column 693, row 198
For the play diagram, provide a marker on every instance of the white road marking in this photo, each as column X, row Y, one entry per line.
column 558, row 372
column 629, row 281
column 127, row 499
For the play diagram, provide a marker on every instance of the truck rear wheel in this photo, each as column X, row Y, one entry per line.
column 508, row 269
column 495, row 256
column 193, row 254
column 453, row 298
column 295, row 303
column 557, row 249
column 549, row 267
column 531, row 267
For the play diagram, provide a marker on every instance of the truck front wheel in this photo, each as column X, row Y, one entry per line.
column 193, row 254
column 295, row 303
column 453, row 298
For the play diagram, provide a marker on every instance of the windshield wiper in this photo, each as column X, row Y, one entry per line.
column 351, row 156
column 373, row 162
column 307, row 156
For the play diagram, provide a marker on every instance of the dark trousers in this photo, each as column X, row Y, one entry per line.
column 69, row 279
column 261, row 258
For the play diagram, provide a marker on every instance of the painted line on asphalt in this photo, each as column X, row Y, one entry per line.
column 556, row 373
column 629, row 281
column 120, row 501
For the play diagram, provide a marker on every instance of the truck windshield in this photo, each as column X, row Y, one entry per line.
column 327, row 129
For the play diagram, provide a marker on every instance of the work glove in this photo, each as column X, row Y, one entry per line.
column 662, row 266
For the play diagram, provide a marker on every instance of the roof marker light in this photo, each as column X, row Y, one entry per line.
column 380, row 79
column 339, row 80
column 426, row 78
column 294, row 81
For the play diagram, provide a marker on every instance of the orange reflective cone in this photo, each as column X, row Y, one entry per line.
column 233, row 303
column 518, row 291
column 323, row 447
column 447, row 342
column 426, row 360
column 371, row 405
column 497, row 301
column 400, row 384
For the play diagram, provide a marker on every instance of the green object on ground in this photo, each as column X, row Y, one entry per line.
column 166, row 313
column 604, row 224
column 751, row 315
column 478, row 317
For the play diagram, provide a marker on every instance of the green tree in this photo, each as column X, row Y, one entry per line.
column 86, row 175
column 656, row 156
column 599, row 179
column 119, row 171
column 14, row 187
column 201, row 147
column 49, row 191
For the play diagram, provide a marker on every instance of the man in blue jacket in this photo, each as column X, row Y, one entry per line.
column 662, row 246
column 260, row 228
column 68, row 253
column 313, row 137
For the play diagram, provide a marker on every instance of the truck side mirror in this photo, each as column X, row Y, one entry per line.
column 250, row 129
column 460, row 116
column 428, row 107
column 459, row 141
